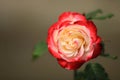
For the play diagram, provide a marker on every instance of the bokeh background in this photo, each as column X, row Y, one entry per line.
column 23, row 23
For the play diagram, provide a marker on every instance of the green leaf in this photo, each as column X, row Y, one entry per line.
column 39, row 50
column 80, row 75
column 103, row 17
column 93, row 14
column 108, row 56
column 103, row 54
column 95, row 71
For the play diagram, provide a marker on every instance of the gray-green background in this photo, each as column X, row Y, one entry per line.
column 25, row 22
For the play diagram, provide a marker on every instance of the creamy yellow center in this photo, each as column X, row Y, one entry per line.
column 71, row 39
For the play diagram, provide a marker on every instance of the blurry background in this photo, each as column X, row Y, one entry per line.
column 23, row 23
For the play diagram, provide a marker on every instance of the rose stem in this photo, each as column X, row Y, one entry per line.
column 75, row 74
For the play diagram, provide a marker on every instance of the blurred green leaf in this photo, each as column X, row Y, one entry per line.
column 92, row 14
column 80, row 75
column 39, row 50
column 95, row 71
column 108, row 56
column 103, row 17
column 103, row 54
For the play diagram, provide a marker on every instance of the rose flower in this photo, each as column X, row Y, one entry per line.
column 73, row 40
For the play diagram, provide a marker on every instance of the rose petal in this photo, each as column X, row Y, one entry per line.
column 88, row 55
column 51, row 43
column 97, row 48
column 93, row 31
column 71, row 16
column 70, row 65
column 91, row 27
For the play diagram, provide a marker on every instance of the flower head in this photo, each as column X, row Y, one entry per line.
column 73, row 40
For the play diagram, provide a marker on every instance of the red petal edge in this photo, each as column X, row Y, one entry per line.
column 97, row 48
column 72, row 16
column 93, row 30
column 70, row 65
column 50, row 42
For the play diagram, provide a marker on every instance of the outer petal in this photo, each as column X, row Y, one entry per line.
column 72, row 16
column 93, row 31
column 50, row 41
column 97, row 48
column 70, row 65
column 64, row 24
